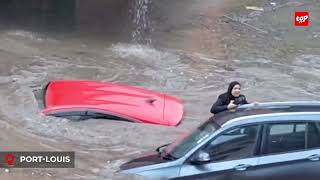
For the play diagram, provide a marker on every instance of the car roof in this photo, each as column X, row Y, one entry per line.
column 269, row 108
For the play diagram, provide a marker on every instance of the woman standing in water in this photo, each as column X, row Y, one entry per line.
column 230, row 99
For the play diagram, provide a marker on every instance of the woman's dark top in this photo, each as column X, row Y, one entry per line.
column 224, row 99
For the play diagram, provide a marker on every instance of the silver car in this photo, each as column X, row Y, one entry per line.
column 275, row 141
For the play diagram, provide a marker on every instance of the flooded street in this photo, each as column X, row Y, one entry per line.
column 193, row 55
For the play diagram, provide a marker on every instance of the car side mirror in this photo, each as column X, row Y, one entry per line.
column 200, row 157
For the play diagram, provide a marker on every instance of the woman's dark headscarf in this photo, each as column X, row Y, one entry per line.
column 231, row 85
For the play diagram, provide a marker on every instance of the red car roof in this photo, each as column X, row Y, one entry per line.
column 127, row 101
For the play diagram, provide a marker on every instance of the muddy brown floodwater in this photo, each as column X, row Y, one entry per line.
column 197, row 48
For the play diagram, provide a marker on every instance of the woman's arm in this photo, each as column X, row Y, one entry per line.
column 241, row 100
column 218, row 106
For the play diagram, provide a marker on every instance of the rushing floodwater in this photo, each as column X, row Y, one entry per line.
column 30, row 59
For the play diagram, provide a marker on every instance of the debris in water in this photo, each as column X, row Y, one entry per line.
column 273, row 3
column 95, row 170
column 316, row 34
column 7, row 170
column 15, row 79
column 254, row 8
column 253, row 27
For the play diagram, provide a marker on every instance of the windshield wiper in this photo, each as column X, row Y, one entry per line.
column 160, row 147
column 168, row 156
column 163, row 154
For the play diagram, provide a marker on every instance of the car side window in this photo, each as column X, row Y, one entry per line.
column 236, row 143
column 71, row 115
column 313, row 140
column 285, row 137
column 99, row 115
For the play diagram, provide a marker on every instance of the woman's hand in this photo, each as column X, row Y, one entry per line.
column 231, row 105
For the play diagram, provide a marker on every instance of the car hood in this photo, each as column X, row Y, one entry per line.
column 150, row 159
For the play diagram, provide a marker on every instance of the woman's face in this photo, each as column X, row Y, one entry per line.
column 236, row 90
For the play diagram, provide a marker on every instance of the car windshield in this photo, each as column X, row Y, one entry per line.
column 188, row 141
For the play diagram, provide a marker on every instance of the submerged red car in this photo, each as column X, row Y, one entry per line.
column 80, row 99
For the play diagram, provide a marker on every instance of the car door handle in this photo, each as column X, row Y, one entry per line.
column 314, row 157
column 242, row 167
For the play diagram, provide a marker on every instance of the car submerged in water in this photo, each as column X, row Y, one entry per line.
column 80, row 100
column 277, row 141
